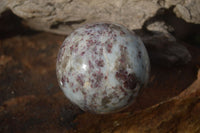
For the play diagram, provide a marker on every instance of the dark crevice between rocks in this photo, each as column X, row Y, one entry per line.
column 184, row 31
column 163, row 49
column 12, row 25
column 56, row 24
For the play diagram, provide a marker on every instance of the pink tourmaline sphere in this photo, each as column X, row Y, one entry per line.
column 101, row 67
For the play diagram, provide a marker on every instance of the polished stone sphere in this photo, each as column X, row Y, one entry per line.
column 101, row 67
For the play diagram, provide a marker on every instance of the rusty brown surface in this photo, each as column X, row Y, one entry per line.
column 31, row 101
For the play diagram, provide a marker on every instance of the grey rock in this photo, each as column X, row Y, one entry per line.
column 63, row 16
column 163, row 48
column 189, row 11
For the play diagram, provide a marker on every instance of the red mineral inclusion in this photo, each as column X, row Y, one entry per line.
column 101, row 67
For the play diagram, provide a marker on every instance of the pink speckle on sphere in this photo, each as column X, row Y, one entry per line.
column 101, row 67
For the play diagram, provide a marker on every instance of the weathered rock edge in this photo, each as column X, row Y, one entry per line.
column 63, row 16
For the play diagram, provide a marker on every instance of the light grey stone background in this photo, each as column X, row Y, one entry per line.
column 63, row 16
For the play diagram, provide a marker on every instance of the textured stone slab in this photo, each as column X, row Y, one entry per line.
column 63, row 16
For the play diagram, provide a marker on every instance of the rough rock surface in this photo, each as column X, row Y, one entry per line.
column 178, row 114
column 63, row 16
column 164, row 49
column 189, row 11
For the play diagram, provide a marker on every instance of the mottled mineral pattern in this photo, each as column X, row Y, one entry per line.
column 101, row 67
